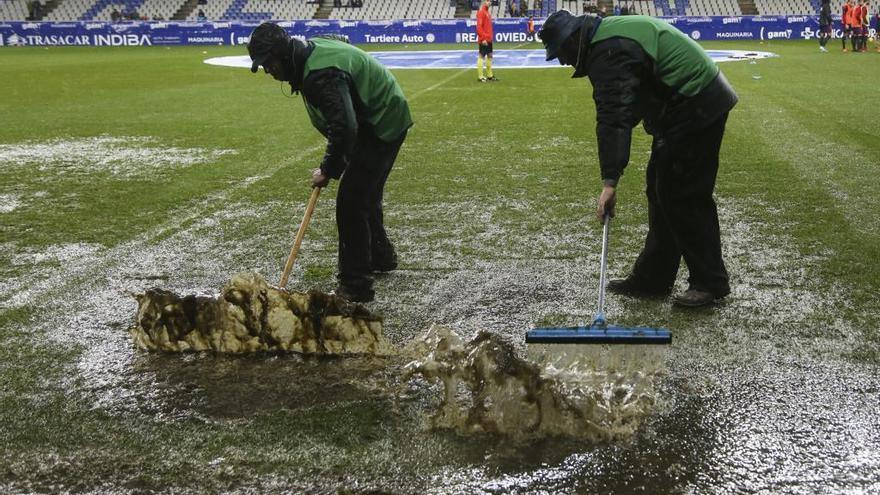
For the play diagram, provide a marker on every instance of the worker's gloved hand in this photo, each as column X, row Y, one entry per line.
column 319, row 179
column 607, row 200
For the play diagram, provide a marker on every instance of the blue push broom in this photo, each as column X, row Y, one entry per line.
column 599, row 331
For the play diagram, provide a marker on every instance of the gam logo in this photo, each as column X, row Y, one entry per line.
column 412, row 23
column 772, row 35
column 792, row 20
column 732, row 20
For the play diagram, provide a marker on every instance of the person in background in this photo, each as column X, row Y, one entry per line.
column 35, row 11
column 356, row 103
column 201, row 16
column 530, row 29
column 644, row 70
column 855, row 17
column 824, row 24
column 484, row 42
column 846, row 22
column 866, row 5
column 877, row 27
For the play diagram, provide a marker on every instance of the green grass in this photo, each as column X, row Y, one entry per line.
column 800, row 162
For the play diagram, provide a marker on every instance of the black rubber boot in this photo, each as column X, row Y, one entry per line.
column 384, row 261
column 696, row 297
column 352, row 294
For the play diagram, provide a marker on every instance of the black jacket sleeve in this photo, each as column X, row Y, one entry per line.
column 617, row 70
column 330, row 91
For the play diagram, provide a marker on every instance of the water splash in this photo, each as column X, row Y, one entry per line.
column 488, row 388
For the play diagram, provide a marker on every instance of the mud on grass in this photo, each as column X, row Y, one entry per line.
column 761, row 392
column 236, row 423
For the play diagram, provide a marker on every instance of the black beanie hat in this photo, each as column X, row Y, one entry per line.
column 266, row 37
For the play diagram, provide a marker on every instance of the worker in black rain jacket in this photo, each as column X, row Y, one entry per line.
column 357, row 104
column 644, row 70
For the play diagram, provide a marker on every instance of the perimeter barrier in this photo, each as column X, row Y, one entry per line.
column 141, row 33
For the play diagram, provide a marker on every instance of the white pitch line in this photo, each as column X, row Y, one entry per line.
column 435, row 86
column 441, row 83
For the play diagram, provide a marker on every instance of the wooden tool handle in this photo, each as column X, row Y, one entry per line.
column 299, row 236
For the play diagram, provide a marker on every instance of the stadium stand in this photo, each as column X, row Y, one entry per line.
column 497, row 11
column 13, row 10
column 255, row 10
column 101, row 10
column 259, row 10
column 544, row 9
column 712, row 7
column 396, row 9
column 90, row 10
column 663, row 7
column 787, row 7
column 641, row 7
column 214, row 10
column 647, row 8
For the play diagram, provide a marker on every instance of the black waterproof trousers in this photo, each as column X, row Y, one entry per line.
column 359, row 218
column 682, row 216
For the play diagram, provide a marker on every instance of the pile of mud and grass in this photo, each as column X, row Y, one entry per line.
column 250, row 316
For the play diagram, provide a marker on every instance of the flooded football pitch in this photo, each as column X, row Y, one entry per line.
column 757, row 395
column 774, row 390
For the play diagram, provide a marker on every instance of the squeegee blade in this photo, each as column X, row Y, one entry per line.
column 598, row 335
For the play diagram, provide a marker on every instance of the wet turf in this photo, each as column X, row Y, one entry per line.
column 490, row 206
